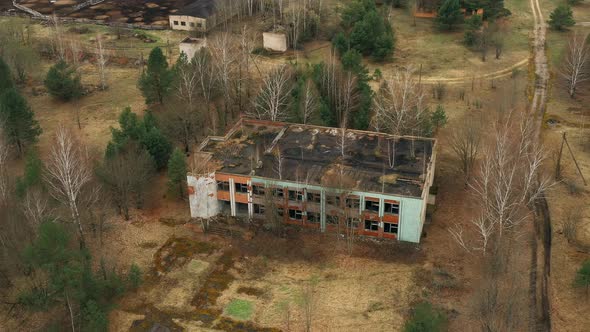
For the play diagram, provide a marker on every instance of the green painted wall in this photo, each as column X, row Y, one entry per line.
column 412, row 210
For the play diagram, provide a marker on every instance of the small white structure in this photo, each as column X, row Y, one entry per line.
column 274, row 41
column 191, row 45
column 202, row 190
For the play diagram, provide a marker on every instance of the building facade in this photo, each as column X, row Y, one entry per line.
column 385, row 210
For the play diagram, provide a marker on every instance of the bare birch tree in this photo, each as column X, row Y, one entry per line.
column 101, row 62
column 224, row 56
column 207, row 82
column 575, row 67
column 310, row 103
column 67, row 173
column 341, row 89
column 399, row 105
column 465, row 142
column 273, row 100
column 509, row 181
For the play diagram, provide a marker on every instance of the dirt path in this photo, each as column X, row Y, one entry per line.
column 541, row 246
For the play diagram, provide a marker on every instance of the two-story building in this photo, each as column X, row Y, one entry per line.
column 317, row 177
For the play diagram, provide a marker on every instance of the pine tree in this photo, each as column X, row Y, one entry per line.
column 33, row 174
column 562, row 18
column 156, row 82
column 63, row 82
column 582, row 279
column 5, row 77
column 439, row 117
column 17, row 118
column 177, row 171
column 449, row 15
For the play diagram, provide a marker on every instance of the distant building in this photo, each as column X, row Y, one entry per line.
column 274, row 41
column 379, row 185
column 202, row 15
column 191, row 45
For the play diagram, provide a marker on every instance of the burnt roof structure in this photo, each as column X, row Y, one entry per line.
column 198, row 8
column 370, row 162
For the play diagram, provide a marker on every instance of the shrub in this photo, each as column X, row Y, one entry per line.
column 425, row 318
column 63, row 82
column 561, row 18
column 582, row 279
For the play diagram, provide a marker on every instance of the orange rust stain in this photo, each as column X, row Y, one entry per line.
column 191, row 190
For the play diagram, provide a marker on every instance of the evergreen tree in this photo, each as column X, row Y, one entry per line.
column 177, row 172
column 70, row 279
column 134, row 278
column 33, row 174
column 17, row 118
column 5, row 77
column 473, row 26
column 582, row 279
column 439, row 117
column 143, row 131
column 63, row 82
column 158, row 146
column 156, row 82
column 425, row 318
column 449, row 15
column 562, row 18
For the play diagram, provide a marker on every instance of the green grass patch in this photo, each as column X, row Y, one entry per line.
column 239, row 309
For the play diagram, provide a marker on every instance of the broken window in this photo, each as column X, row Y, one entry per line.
column 192, row 25
column 280, row 212
column 295, row 195
column 278, row 192
column 333, row 200
column 222, row 186
column 258, row 208
column 313, row 217
column 295, row 214
column 241, row 188
column 372, row 226
column 200, row 25
column 390, row 228
column 314, row 197
column 332, row 220
column 353, row 203
column 257, row 190
column 352, row 223
column 372, row 206
column 391, row 208
column 183, row 23
column 175, row 22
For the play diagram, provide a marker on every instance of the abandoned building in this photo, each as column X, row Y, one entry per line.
column 317, row 177
column 190, row 46
column 274, row 41
column 201, row 15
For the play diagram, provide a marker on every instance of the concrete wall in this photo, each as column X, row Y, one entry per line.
column 276, row 42
column 411, row 216
column 191, row 48
column 190, row 23
column 202, row 191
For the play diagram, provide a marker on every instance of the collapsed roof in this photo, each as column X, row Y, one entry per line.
column 328, row 157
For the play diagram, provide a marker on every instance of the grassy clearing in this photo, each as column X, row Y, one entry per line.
column 239, row 309
column 442, row 54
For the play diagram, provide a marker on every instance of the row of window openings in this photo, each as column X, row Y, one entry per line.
column 182, row 23
column 297, row 196
column 314, row 217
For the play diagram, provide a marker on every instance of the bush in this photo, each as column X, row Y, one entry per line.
column 63, row 82
column 134, row 278
column 425, row 318
column 582, row 279
column 561, row 18
column 449, row 15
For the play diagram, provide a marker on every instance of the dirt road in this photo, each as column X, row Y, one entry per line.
column 541, row 245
